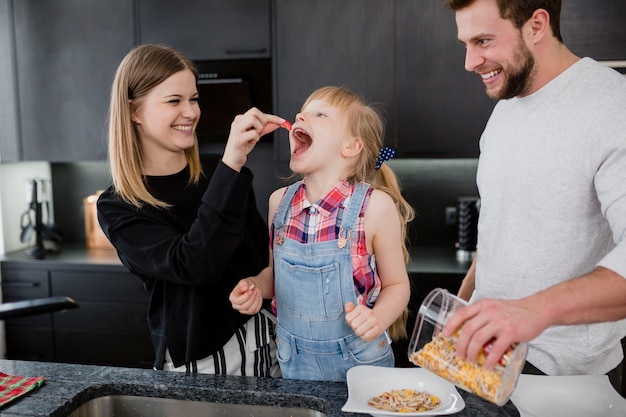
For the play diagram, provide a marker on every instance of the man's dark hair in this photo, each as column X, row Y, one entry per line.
column 519, row 11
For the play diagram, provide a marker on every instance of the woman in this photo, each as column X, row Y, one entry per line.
column 186, row 225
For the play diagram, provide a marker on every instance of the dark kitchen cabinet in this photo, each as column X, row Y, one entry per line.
column 30, row 337
column 66, row 55
column 442, row 109
column 398, row 53
column 203, row 30
column 422, row 283
column 109, row 327
column 405, row 54
column 595, row 29
column 9, row 139
column 343, row 42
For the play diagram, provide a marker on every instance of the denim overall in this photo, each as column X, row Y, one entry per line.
column 313, row 281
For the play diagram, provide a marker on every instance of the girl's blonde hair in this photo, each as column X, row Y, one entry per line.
column 142, row 69
column 366, row 123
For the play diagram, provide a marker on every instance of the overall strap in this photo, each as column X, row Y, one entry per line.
column 280, row 218
column 351, row 214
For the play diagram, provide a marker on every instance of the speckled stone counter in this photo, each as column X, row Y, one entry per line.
column 68, row 386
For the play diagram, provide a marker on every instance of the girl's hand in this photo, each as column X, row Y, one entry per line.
column 245, row 131
column 246, row 297
column 363, row 322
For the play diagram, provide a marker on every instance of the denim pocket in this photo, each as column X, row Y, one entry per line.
column 310, row 293
column 378, row 352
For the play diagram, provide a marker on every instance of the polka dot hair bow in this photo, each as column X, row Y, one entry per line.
column 384, row 154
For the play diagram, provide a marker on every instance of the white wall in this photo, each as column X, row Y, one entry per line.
column 14, row 202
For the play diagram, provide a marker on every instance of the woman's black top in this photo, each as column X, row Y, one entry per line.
column 191, row 255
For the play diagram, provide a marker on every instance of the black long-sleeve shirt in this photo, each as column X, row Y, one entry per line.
column 191, row 255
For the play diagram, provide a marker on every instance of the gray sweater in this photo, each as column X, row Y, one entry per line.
column 552, row 182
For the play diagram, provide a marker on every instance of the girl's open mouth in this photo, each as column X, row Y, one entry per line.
column 302, row 140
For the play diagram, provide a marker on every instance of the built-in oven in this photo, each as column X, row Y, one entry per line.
column 227, row 88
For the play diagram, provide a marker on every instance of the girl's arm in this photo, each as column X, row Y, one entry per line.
column 384, row 240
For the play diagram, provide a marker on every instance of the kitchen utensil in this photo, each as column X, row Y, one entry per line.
column 26, row 224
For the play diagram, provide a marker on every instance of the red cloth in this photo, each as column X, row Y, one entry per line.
column 13, row 386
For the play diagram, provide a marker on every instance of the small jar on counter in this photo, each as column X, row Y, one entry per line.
column 431, row 350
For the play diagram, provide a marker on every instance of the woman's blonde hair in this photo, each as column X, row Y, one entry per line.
column 366, row 123
column 142, row 69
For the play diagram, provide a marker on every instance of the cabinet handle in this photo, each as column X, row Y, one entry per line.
column 245, row 51
column 21, row 284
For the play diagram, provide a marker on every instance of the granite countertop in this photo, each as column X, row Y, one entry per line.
column 68, row 386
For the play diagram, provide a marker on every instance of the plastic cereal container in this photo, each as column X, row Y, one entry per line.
column 429, row 349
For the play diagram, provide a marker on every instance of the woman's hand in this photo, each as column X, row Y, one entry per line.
column 246, row 297
column 245, row 131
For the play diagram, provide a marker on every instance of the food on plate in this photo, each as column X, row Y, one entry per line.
column 439, row 356
column 405, row 401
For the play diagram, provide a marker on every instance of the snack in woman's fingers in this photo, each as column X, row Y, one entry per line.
column 286, row 125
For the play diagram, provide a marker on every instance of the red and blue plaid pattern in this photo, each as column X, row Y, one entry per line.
column 318, row 222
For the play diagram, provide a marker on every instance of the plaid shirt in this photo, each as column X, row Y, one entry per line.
column 318, row 222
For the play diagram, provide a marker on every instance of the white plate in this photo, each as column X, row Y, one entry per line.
column 365, row 382
column 567, row 396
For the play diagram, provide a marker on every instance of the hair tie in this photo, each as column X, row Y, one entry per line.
column 384, row 154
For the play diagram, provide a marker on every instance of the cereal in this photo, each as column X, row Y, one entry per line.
column 431, row 350
column 439, row 356
column 405, row 401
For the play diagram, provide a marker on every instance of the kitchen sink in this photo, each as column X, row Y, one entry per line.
column 137, row 406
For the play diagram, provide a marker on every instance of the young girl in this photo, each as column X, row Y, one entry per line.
column 338, row 237
column 186, row 225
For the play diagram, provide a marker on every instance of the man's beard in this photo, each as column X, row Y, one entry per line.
column 518, row 80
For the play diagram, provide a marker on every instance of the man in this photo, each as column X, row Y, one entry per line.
column 551, row 260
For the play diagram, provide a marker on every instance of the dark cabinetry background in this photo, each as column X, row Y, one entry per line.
column 442, row 109
column 405, row 54
column 108, row 328
column 343, row 42
column 216, row 29
column 67, row 52
column 595, row 28
column 401, row 53
column 421, row 285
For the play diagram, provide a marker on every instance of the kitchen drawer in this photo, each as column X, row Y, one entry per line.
column 104, row 348
column 24, row 283
column 30, row 343
column 98, row 286
column 122, row 318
